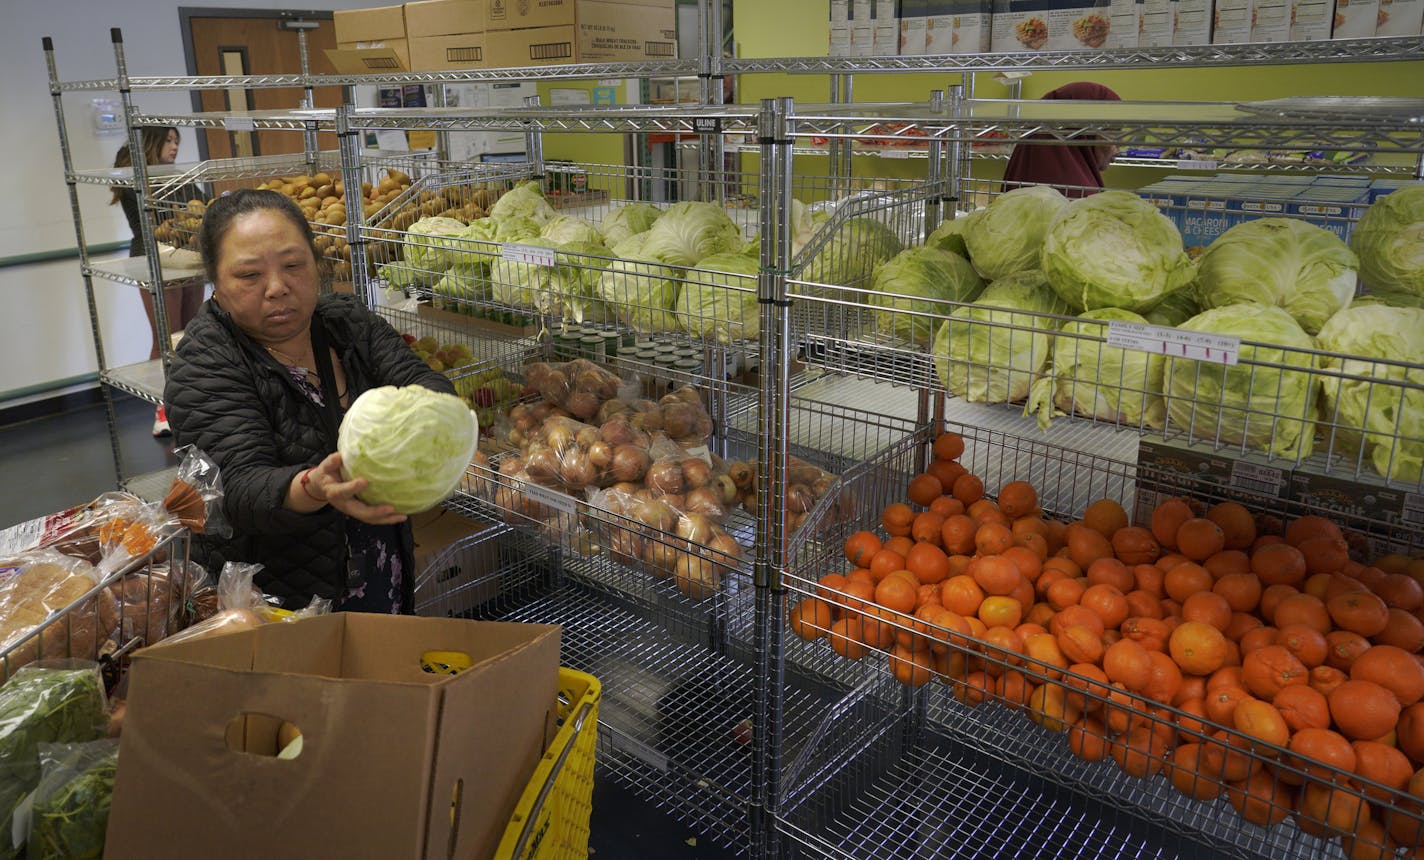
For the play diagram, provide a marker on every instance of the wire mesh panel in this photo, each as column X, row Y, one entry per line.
column 1032, row 712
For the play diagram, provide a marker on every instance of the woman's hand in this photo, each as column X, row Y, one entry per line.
column 325, row 482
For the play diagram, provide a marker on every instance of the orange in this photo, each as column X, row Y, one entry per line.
column 924, row 489
column 1228, row 757
column 946, row 506
column 1324, row 554
column 961, row 594
column 1207, row 607
column 1087, row 739
column 1090, row 686
column 1370, row 843
column 1142, row 752
column 1271, row 597
column 1335, row 809
column 1402, row 630
column 1383, row 764
column 1241, row 625
column 911, row 668
column 1302, row 707
column 1110, row 571
column 1228, row 561
column 1086, row 545
column 1278, row 564
column 1050, row 661
column 896, row 518
column 1013, row 689
column 1167, row 517
column 1323, row 679
column 1400, row 591
column 948, row 446
column 1266, row 671
column 1028, row 562
column 992, row 539
column 1260, row 799
column 1000, row 611
column 895, row 593
column 846, row 638
column 1256, row 639
column 1143, row 604
column 1359, row 612
column 926, row 528
column 1188, row 775
column 1392, row 668
column 811, row 618
column 1075, row 615
column 1409, row 731
column 1065, row 593
column 1018, row 499
column 1164, row 680
column 1186, row 579
column 1345, row 648
column 1242, row 591
column 1363, row 710
column 878, row 627
column 1151, row 633
column 885, row 562
column 1148, row 578
column 1199, row 539
column 955, row 633
column 1198, row 648
column 1107, row 602
column 1128, row 663
column 1221, row 703
column 1261, row 722
column 995, row 574
column 860, row 546
column 976, row 687
column 957, row 534
column 1306, row 643
column 1136, row 545
column 900, row 544
column 1105, row 517
column 1049, row 707
column 1237, row 524
column 1302, row 610
column 1080, row 644
column 968, row 489
column 947, row 472
column 1305, row 528
column 928, row 563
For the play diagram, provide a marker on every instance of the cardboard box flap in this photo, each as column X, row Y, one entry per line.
column 444, row 17
column 369, row 25
column 365, row 61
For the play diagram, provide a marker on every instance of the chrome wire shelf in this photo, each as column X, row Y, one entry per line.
column 134, row 272
column 143, row 380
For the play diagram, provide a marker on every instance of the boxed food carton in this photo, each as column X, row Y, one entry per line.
column 394, row 762
column 840, row 29
column 1126, row 19
column 1051, row 25
column 505, row 15
column 380, row 30
column 1191, row 22
column 887, row 28
column 1334, row 208
column 629, row 32
column 914, row 15
column 1204, row 215
column 862, row 28
column 1355, row 19
column 436, row 53
column 1400, row 18
column 1311, row 20
column 1231, row 22
column 960, row 26
column 1270, row 20
column 1155, row 30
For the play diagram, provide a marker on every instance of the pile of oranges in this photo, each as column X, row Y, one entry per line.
column 1237, row 655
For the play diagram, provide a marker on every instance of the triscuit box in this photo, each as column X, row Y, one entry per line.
column 1400, row 18
column 444, row 17
column 520, row 14
column 368, row 29
column 1310, row 20
column 960, row 26
column 914, row 16
column 1270, row 21
column 1231, row 22
column 1051, row 25
column 1355, row 19
column 395, row 762
column 1191, row 22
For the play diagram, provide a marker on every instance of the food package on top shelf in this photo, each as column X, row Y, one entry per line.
column 34, row 588
column 50, row 704
column 1400, row 18
column 1052, row 25
column 1356, row 19
column 242, row 606
column 1311, row 20
column 1231, row 22
column 1270, row 21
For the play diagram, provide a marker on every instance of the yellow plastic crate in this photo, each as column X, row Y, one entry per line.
column 551, row 820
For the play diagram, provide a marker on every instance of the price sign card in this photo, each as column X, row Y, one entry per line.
column 527, row 254
column 239, row 123
column 1177, row 343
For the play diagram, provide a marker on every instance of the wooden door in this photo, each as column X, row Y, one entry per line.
column 254, row 44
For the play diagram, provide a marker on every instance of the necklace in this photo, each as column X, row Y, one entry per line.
column 285, row 358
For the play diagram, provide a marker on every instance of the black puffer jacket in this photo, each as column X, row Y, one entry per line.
column 232, row 400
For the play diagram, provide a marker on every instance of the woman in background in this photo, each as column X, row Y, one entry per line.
column 180, row 304
column 1080, row 167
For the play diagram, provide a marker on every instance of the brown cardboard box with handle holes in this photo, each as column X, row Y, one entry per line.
column 395, row 762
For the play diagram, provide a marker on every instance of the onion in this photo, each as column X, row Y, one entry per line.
column 749, row 501
column 696, row 577
column 582, row 404
column 704, row 500
column 697, row 528
column 695, row 472
column 576, row 470
column 743, row 475
column 511, row 465
column 559, row 436
column 543, row 464
column 586, row 436
column 726, row 545
column 822, row 485
column 655, row 515
column 629, row 463
column 600, row 454
column 662, row 558
column 676, row 501
column 726, row 489
column 625, row 546
column 665, row 476
column 799, row 499
column 616, row 431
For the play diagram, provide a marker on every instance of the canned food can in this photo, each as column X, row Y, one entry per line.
column 591, row 347
column 611, row 342
column 689, row 366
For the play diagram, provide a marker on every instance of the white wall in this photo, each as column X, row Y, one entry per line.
column 44, row 323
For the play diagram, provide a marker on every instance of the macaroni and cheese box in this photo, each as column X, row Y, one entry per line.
column 887, row 28
column 914, row 16
column 1050, row 25
column 1355, row 19
column 1191, row 22
column 1400, row 18
column 1155, row 30
column 1311, row 20
column 1125, row 17
column 1270, row 20
column 862, row 28
column 959, row 27
column 1231, row 22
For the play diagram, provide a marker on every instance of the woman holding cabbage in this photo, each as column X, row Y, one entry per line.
column 261, row 382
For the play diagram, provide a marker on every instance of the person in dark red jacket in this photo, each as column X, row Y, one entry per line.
column 260, row 383
column 1079, row 167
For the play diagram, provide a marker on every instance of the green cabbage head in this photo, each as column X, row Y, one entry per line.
column 690, row 231
column 852, row 253
column 1087, row 377
column 920, row 280
column 525, row 199
column 1007, row 236
column 1255, row 403
column 1305, row 269
column 718, row 301
column 430, row 248
column 411, row 445
column 1175, row 308
column 578, row 267
column 526, row 285
column 641, row 291
column 949, row 235
column 1382, row 402
column 562, row 229
column 1114, row 250
column 991, row 351
column 627, row 220
column 1393, row 298
column 1390, row 242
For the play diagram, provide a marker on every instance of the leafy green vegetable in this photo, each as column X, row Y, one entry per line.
column 578, row 266
column 627, row 220
column 1382, row 402
column 1007, row 237
column 920, row 280
column 1175, row 308
column 411, row 445
column 1305, row 269
column 1389, row 240
column 1089, row 378
column 641, row 291
column 691, row 231
column 991, row 351
column 429, row 247
column 71, row 810
column 1259, row 403
column 525, row 199
column 1114, row 250
column 562, row 229
column 949, row 235
column 719, row 299
column 528, row 285
column 39, row 706
column 1393, row 298
column 851, row 254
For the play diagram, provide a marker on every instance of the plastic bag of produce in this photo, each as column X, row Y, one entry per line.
column 58, row 703
column 578, row 386
column 69, row 809
column 47, row 609
column 243, row 606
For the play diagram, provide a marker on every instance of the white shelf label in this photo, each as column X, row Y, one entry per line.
column 1196, row 164
column 550, row 498
column 895, row 153
column 1255, row 478
column 1177, row 343
column 239, row 123
column 1413, row 511
column 527, row 254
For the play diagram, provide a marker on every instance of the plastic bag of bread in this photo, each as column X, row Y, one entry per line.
column 152, row 600
column 242, row 606
column 51, row 606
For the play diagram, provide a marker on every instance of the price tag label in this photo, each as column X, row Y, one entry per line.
column 527, row 254
column 1177, row 343
column 1196, row 164
column 1258, row 479
column 239, row 123
column 550, row 498
column 891, row 152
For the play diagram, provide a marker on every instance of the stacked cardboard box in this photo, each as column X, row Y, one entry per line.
column 446, row 34
column 573, row 31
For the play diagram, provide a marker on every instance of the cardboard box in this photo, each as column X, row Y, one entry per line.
column 1231, row 22
column 862, row 28
column 1126, row 19
column 382, row 27
column 1310, row 20
column 839, row 40
column 1270, row 20
column 605, row 31
column 914, row 15
column 1400, row 18
column 1355, row 19
column 370, row 61
column 434, row 53
column 444, row 18
column 1191, row 22
column 387, row 748
column 1156, row 30
column 1051, row 25
column 887, row 28
column 522, row 14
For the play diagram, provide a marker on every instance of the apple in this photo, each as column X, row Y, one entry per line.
column 483, row 397
column 742, row 732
